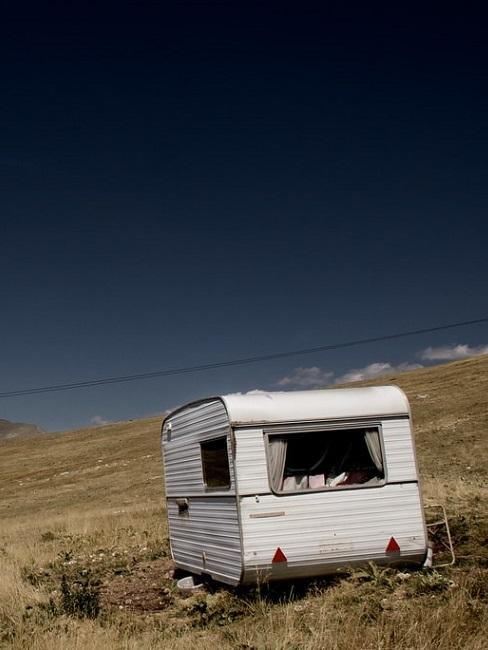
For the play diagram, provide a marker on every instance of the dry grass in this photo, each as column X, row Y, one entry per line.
column 84, row 558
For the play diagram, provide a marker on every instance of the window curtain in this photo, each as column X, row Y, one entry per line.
column 372, row 440
column 277, row 456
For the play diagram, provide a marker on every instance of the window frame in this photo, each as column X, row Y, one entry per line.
column 215, row 488
column 308, row 427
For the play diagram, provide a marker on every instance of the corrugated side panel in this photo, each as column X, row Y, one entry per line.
column 182, row 457
column 250, row 462
column 322, row 532
column 399, row 452
column 208, row 539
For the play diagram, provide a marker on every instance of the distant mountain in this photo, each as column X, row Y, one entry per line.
column 17, row 429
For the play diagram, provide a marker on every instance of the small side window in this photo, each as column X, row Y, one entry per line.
column 215, row 463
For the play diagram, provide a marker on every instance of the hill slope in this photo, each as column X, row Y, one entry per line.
column 90, row 503
column 15, row 429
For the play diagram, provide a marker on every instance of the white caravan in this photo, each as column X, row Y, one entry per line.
column 273, row 486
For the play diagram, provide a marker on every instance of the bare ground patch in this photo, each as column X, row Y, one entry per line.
column 149, row 588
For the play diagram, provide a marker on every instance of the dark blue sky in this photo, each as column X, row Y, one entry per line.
column 216, row 180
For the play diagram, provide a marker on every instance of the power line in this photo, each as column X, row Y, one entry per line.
column 234, row 362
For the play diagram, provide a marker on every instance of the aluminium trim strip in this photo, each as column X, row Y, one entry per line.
column 322, row 422
column 343, row 488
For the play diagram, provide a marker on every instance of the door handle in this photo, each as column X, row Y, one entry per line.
column 183, row 506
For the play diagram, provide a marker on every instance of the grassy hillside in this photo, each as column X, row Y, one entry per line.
column 84, row 558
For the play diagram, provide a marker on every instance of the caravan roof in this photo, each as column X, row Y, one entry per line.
column 309, row 405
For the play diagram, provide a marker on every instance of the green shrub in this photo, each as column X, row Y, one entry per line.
column 80, row 595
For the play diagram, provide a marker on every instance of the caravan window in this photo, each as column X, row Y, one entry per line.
column 215, row 463
column 324, row 460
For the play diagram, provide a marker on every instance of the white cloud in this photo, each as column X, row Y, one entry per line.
column 375, row 370
column 452, row 352
column 98, row 421
column 313, row 377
